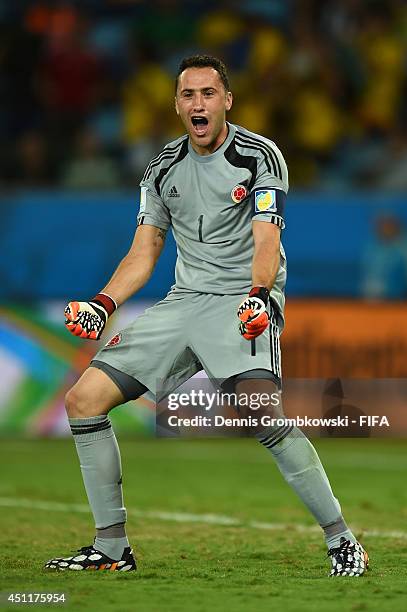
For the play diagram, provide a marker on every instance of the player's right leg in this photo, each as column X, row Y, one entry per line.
column 153, row 349
column 88, row 404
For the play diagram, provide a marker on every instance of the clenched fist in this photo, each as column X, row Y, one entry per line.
column 88, row 319
column 252, row 313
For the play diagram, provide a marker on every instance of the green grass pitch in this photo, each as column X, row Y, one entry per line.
column 199, row 563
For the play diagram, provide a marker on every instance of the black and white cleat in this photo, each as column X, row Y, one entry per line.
column 88, row 558
column 348, row 559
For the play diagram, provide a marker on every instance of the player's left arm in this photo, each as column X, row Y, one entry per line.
column 266, row 255
column 268, row 203
column 252, row 312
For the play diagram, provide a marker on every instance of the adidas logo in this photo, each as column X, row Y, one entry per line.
column 173, row 193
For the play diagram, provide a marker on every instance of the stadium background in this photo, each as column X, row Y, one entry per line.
column 86, row 100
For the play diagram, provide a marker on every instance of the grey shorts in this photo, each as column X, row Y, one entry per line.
column 186, row 333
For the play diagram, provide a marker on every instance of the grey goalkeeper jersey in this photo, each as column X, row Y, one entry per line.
column 210, row 202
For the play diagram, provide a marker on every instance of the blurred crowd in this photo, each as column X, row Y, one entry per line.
column 86, row 88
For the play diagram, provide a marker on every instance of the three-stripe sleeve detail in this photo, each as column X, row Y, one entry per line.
column 276, row 219
column 270, row 156
column 242, row 161
column 183, row 152
column 167, row 153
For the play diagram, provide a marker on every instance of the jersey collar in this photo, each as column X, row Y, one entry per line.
column 204, row 159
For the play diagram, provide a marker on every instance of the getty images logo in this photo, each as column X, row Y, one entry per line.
column 173, row 193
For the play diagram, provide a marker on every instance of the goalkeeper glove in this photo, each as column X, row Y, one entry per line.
column 88, row 319
column 254, row 318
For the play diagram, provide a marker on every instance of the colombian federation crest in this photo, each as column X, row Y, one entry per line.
column 265, row 200
column 238, row 193
column 114, row 341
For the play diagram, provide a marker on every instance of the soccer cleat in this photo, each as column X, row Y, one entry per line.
column 91, row 559
column 348, row 559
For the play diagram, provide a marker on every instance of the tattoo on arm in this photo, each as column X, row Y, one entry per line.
column 162, row 234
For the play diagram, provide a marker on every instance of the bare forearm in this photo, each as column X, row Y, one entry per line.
column 265, row 264
column 131, row 274
column 136, row 268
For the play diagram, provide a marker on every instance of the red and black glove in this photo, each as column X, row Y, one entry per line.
column 88, row 319
column 252, row 313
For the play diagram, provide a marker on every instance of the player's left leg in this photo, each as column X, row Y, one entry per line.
column 301, row 467
column 232, row 358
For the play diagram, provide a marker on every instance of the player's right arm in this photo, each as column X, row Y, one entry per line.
column 88, row 319
column 137, row 266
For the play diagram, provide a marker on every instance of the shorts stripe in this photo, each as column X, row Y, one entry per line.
column 273, row 362
column 275, row 353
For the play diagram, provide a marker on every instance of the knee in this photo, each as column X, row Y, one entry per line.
column 262, row 396
column 77, row 404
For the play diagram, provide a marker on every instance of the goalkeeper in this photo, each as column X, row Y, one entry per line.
column 222, row 190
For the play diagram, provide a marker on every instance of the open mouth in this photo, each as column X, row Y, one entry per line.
column 200, row 125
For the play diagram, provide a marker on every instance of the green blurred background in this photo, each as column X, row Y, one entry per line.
column 86, row 99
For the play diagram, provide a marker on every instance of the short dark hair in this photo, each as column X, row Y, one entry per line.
column 204, row 61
